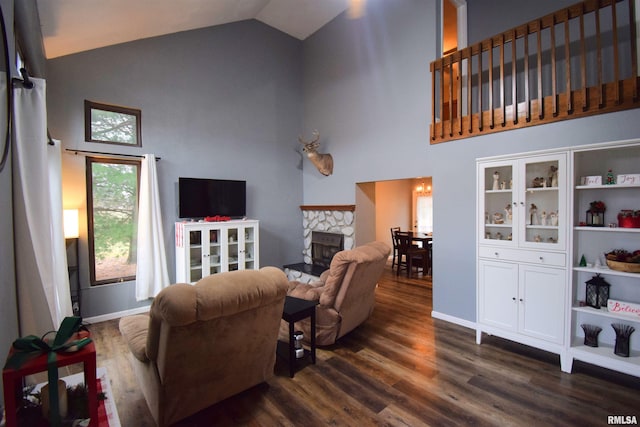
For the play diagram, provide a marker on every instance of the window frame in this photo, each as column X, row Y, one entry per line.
column 89, row 106
column 90, row 224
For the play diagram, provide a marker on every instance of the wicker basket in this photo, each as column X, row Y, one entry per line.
column 629, row 267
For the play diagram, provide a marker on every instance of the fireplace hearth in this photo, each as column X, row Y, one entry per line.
column 323, row 247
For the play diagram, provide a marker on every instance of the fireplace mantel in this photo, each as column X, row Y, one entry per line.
column 350, row 208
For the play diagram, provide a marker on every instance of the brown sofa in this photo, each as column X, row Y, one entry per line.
column 345, row 292
column 205, row 342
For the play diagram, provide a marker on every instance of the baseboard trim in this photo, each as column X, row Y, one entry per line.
column 452, row 319
column 116, row 315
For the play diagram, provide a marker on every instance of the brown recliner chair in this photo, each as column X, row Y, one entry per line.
column 345, row 292
column 205, row 342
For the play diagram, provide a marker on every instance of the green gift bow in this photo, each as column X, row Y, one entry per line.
column 31, row 346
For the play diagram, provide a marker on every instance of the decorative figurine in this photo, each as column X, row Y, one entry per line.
column 510, row 236
column 543, row 218
column 487, row 235
column 537, row 238
column 538, row 182
column 499, row 235
column 553, row 218
column 508, row 214
column 533, row 214
column 610, row 179
column 497, row 218
column 511, row 183
column 583, row 262
column 553, row 176
column 496, row 179
column 503, row 185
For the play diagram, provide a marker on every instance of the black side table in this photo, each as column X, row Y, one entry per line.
column 296, row 309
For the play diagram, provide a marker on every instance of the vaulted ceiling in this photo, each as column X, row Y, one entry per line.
column 71, row 26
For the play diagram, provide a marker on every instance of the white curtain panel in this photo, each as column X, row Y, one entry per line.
column 151, row 272
column 41, row 262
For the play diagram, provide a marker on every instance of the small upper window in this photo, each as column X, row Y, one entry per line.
column 111, row 124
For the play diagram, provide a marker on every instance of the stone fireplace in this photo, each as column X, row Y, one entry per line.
column 323, row 229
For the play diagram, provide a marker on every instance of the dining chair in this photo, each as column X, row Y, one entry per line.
column 394, row 241
column 409, row 255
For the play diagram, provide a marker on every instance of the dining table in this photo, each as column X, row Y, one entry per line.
column 422, row 240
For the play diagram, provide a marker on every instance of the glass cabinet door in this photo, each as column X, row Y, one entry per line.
column 214, row 252
column 195, row 255
column 232, row 248
column 497, row 199
column 249, row 245
column 543, row 185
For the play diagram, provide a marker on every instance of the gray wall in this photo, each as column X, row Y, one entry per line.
column 222, row 102
column 367, row 89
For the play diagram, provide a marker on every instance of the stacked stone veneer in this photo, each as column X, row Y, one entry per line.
column 330, row 221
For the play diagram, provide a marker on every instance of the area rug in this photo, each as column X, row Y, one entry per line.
column 107, row 413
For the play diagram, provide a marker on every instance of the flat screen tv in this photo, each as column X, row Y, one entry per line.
column 201, row 197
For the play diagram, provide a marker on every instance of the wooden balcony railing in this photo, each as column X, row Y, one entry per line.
column 575, row 62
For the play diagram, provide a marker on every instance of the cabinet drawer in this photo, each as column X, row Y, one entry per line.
column 533, row 257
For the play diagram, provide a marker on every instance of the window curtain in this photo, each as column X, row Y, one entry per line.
column 151, row 271
column 44, row 298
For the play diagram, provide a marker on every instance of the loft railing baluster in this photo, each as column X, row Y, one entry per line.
column 527, row 98
column 633, row 43
column 514, row 86
column 459, row 80
column 554, row 82
column 480, row 120
column 433, row 100
column 491, row 118
column 567, row 54
column 616, row 62
column 599, row 58
column 540, row 94
column 442, row 100
column 450, row 98
column 503, row 107
column 583, row 61
column 469, row 80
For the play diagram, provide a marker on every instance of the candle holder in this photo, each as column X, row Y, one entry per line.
column 591, row 334
column 623, row 333
column 595, row 214
column 597, row 292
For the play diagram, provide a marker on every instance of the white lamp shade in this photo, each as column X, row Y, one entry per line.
column 71, row 224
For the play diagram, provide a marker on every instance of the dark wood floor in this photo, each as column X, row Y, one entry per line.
column 403, row 367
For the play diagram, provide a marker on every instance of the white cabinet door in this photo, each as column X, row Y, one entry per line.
column 541, row 302
column 241, row 247
column 542, row 202
column 498, row 291
column 497, row 182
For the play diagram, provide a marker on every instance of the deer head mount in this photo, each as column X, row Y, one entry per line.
column 323, row 162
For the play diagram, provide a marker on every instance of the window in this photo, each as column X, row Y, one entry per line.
column 111, row 124
column 112, row 209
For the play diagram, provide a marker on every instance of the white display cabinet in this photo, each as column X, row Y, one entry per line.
column 592, row 243
column 205, row 248
column 522, row 260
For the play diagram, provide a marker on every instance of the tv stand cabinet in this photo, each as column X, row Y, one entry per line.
column 205, row 248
